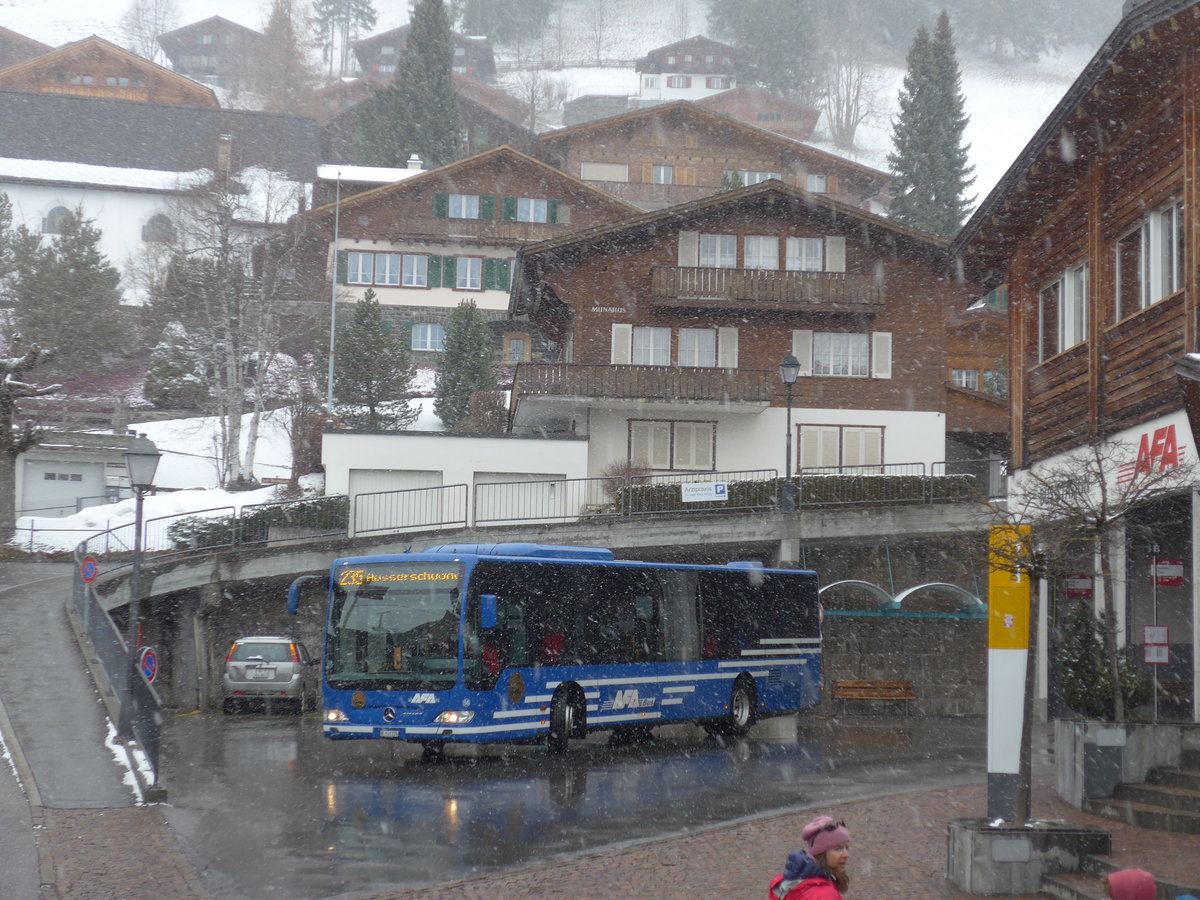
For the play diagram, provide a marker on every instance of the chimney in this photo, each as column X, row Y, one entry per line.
column 414, row 162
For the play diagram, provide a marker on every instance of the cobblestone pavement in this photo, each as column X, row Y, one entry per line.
column 898, row 851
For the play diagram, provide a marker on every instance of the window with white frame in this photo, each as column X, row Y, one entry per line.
column 697, row 347
column 531, row 209
column 468, row 273
column 416, row 271
column 650, row 81
column 718, row 251
column 839, row 353
column 761, row 251
column 1150, row 260
column 387, row 268
column 359, row 267
column 805, row 254
column 817, row 184
column 718, row 82
column 651, row 346
column 427, row 336
column 662, row 174
column 749, row 176
column 828, row 446
column 679, row 81
column 1062, row 312
column 672, row 445
column 464, row 206
column 965, row 378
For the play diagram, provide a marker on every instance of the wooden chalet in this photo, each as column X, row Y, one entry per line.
column 1095, row 230
column 678, row 152
column 93, row 67
column 428, row 242
column 380, row 54
column 764, row 110
column 686, row 70
column 214, row 50
column 669, row 328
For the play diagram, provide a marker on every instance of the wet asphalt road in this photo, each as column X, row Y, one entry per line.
column 265, row 806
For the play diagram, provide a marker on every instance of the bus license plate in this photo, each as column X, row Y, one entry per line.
column 389, row 732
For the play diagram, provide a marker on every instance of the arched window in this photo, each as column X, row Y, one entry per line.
column 53, row 223
column 158, row 228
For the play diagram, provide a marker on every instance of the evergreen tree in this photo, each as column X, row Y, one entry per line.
column 283, row 75
column 929, row 163
column 175, row 374
column 467, row 358
column 776, row 44
column 418, row 111
column 372, row 371
column 68, row 296
column 340, row 22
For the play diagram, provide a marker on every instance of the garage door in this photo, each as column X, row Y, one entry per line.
column 390, row 500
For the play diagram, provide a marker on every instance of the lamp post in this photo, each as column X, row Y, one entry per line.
column 789, row 371
column 141, row 459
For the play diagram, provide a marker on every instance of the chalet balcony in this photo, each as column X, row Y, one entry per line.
column 561, row 386
column 415, row 227
column 765, row 289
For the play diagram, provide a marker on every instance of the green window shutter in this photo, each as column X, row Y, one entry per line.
column 503, row 267
column 508, row 209
column 489, row 273
column 342, row 266
column 487, row 207
column 433, row 275
column 449, row 271
column 551, row 211
column 441, row 205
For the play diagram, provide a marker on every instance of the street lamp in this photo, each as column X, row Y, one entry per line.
column 789, row 371
column 141, row 459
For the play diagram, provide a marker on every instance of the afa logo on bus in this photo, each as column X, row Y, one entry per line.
column 627, row 699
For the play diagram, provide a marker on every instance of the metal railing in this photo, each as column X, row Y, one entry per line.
column 524, row 502
column 413, row 509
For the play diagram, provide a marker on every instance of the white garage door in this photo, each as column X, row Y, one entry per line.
column 390, row 500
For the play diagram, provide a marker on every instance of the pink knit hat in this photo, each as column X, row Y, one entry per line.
column 1131, row 884
column 822, row 834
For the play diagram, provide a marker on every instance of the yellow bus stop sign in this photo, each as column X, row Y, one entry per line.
column 1008, row 588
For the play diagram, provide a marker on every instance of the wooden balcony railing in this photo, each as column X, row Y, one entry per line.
column 764, row 288
column 661, row 383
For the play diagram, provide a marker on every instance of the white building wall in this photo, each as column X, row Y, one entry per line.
column 118, row 214
column 458, row 457
column 758, row 441
column 653, row 88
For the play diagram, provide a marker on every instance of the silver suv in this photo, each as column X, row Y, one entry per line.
column 270, row 669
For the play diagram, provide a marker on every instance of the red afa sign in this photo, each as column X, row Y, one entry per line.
column 1078, row 587
column 1158, row 451
column 1168, row 572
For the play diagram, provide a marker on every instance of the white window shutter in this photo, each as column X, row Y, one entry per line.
column 622, row 345
column 835, row 253
column 727, row 348
column 689, row 248
column 881, row 354
column 802, row 343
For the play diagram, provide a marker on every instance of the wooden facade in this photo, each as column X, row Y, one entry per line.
column 214, row 50
column 93, row 67
column 679, row 152
column 877, row 280
column 1096, row 230
column 764, row 110
column 414, row 220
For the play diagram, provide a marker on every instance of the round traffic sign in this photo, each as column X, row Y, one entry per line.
column 89, row 568
column 149, row 663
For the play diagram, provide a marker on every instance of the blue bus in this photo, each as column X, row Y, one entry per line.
column 523, row 642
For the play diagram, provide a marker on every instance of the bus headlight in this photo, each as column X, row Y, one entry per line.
column 336, row 715
column 454, row 717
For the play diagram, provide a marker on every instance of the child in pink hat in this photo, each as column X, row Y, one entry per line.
column 819, row 873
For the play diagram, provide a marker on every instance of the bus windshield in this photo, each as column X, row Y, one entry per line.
column 394, row 626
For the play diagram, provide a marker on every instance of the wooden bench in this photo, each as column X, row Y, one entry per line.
column 867, row 689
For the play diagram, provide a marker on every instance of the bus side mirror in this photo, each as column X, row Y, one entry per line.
column 487, row 611
column 293, row 603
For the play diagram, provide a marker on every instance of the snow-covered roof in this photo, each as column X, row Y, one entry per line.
column 107, row 176
column 371, row 174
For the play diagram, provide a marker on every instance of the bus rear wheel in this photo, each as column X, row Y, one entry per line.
column 741, row 717
column 565, row 720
